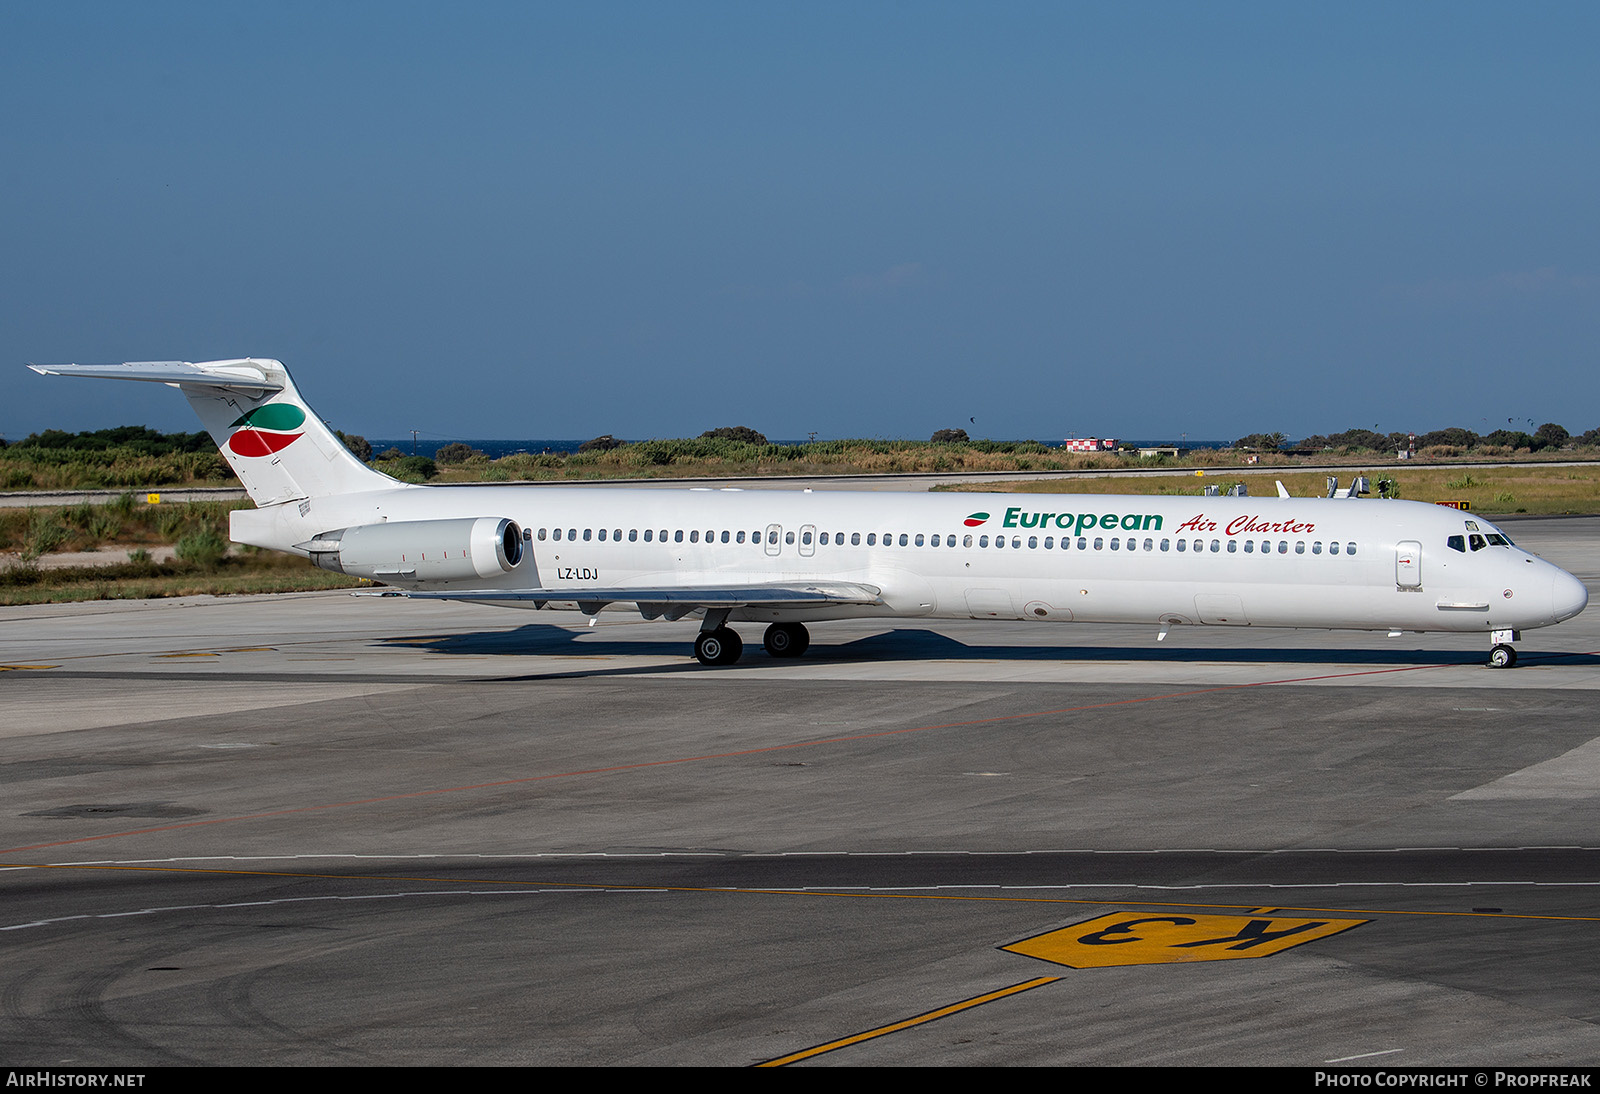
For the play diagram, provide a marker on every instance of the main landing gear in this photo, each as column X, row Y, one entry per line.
column 719, row 644
column 1502, row 655
column 786, row 639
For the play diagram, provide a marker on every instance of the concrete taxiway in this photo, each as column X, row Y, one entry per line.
column 331, row 829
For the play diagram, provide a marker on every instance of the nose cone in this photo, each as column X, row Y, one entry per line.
column 1569, row 595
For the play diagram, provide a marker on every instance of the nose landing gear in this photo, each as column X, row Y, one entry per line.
column 1502, row 655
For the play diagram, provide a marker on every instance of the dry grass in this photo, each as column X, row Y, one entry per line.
column 261, row 573
column 1525, row 488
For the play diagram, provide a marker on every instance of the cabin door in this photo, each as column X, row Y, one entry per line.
column 1408, row 564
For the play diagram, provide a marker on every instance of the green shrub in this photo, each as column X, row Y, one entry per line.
column 45, row 534
column 202, row 547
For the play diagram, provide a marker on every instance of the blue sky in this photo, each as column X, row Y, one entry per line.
column 558, row 220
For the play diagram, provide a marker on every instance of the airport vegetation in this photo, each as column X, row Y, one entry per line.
column 1495, row 491
column 158, row 550
column 134, row 457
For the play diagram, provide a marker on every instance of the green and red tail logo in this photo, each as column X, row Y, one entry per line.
column 975, row 519
column 266, row 429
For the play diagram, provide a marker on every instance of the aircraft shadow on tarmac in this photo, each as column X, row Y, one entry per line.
column 906, row 644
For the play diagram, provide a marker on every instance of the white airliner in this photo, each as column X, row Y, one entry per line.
column 789, row 558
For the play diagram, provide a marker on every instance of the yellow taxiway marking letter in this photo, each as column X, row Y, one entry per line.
column 1140, row 938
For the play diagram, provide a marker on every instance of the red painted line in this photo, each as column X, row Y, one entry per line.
column 645, row 764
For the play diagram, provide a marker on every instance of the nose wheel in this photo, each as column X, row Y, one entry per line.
column 786, row 639
column 721, row 646
column 1502, row 656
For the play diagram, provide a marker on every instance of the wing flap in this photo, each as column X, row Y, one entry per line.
column 665, row 598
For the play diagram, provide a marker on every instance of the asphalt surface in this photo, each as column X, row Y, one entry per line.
column 324, row 829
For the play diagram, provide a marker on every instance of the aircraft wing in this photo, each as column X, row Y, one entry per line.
column 674, row 601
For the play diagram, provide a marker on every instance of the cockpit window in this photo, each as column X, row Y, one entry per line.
column 1497, row 540
column 1477, row 542
column 1457, row 543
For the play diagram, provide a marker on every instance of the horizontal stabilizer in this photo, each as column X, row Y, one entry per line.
column 243, row 373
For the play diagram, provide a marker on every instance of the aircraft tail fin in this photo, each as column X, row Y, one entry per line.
column 278, row 447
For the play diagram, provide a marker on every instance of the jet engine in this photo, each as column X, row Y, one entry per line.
column 468, row 549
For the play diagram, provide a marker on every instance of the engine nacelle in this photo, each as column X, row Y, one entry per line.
column 468, row 549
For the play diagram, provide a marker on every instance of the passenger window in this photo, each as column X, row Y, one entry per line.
column 1049, row 542
column 966, row 541
column 724, row 536
column 633, row 535
column 983, row 541
column 788, row 537
column 1183, row 544
column 1249, row 546
column 855, row 539
column 1283, row 546
column 602, row 535
column 1116, row 543
column 587, row 533
column 694, row 536
column 919, row 539
column 1316, row 547
column 1149, row 544
column 541, row 535
column 1216, row 545
column 739, row 538
column 872, row 539
column 903, row 539
column 1099, row 543
column 1349, row 548
column 647, row 532
column 1033, row 542
column 677, row 537
column 1164, row 544
column 949, row 541
column 1333, row 548
column 1233, row 546
column 616, row 534
column 1299, row 546
column 999, row 541
column 1083, row 542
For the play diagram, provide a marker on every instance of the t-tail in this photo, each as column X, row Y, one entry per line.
column 280, row 450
